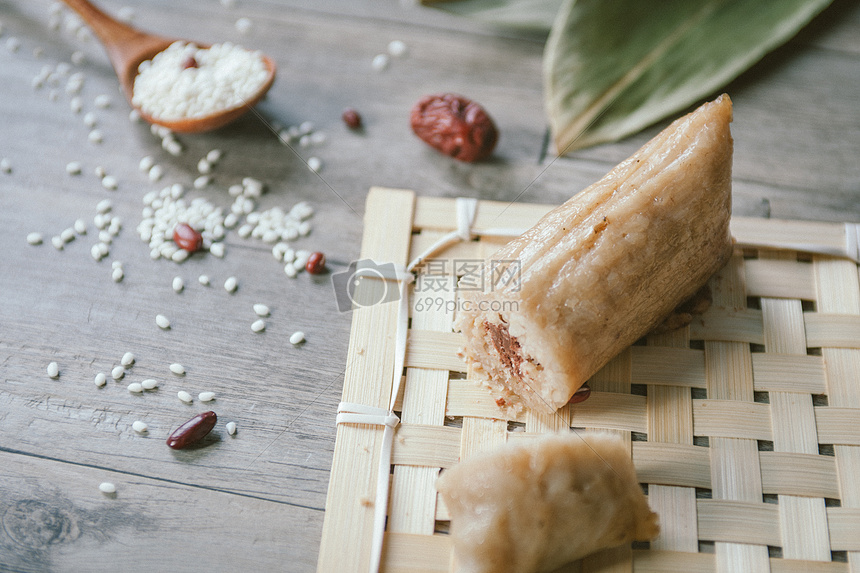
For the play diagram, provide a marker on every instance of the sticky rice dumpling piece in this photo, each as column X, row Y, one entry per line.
column 604, row 268
column 533, row 506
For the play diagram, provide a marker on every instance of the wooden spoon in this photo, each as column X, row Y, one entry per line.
column 127, row 47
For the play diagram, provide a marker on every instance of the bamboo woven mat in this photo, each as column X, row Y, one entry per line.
column 744, row 427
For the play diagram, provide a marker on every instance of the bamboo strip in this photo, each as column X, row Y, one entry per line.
column 667, row 365
column 611, row 411
column 670, row 420
column 430, row 446
column 347, row 528
column 613, row 379
column 467, row 398
column 839, row 426
column 844, row 528
column 788, row 234
column 803, row 520
column 778, row 565
column 779, row 278
column 809, row 475
column 672, row 464
column 672, row 562
column 735, row 473
column 832, row 330
column 435, row 350
column 729, row 326
column 774, row 372
column 747, row 522
column 438, row 213
column 413, row 493
column 462, row 250
column 839, row 293
column 481, row 434
column 411, row 553
column 732, row 419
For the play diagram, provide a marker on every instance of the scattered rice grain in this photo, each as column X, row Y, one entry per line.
column 139, row 427
column 206, row 396
column 231, row 284
column 177, row 369
column 178, row 284
column 100, row 379
column 297, row 338
column 184, row 396
column 261, row 309
column 203, row 279
column 231, row 428
column 258, row 325
column 135, row 387
column 117, row 373
column 34, row 238
column 107, row 487
column 127, row 359
column 162, row 321
column 149, row 384
column 53, row 370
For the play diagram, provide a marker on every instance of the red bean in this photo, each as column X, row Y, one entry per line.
column 189, row 62
column 187, row 238
column 192, row 431
column 316, row 263
column 351, row 118
column 580, row 395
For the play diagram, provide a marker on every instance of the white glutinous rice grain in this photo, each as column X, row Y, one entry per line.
column 117, row 274
column 127, row 359
column 258, row 325
column 90, row 119
column 297, row 337
column 100, row 171
column 73, row 168
column 104, row 206
column 102, row 100
column 134, row 116
column 177, row 369
column 217, row 249
column 223, row 76
column 261, row 309
column 290, row 270
column 146, row 163
column 53, row 370
column 115, row 264
column 231, row 428
column 204, row 166
column 315, row 164
column 95, row 136
column 149, row 384
column 34, row 238
column 206, row 396
column 109, row 182
column 100, row 379
column 380, row 62
column 155, row 173
column 231, row 284
column 117, row 373
column 179, row 255
column 244, row 25
column 135, row 387
column 184, row 396
column 203, row 279
column 214, row 156
column 396, row 48
column 58, row 242
column 139, row 427
column 80, row 227
column 5, row 165
column 202, row 181
column 107, row 487
column 68, row 235
column 178, row 284
column 96, row 252
column 78, row 57
column 162, row 321
column 76, row 105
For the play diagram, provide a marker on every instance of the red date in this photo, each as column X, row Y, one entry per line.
column 192, row 431
column 186, row 237
column 316, row 263
column 189, row 62
column 455, row 126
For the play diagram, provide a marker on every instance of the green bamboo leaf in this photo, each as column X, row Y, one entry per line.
column 614, row 67
column 528, row 15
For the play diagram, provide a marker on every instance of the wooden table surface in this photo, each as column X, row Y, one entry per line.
column 254, row 501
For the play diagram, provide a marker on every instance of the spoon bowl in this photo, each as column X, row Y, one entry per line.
column 127, row 47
